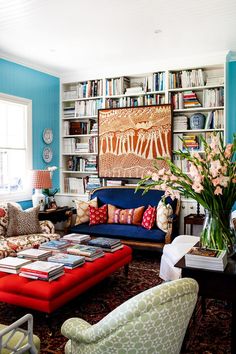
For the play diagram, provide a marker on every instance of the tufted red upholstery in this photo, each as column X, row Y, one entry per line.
column 48, row 296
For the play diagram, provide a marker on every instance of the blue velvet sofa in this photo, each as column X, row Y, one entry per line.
column 124, row 197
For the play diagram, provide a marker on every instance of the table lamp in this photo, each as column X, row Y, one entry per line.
column 41, row 179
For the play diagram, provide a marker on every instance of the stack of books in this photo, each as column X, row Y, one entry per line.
column 206, row 258
column 77, row 238
column 69, row 261
column 191, row 142
column 190, row 100
column 106, row 244
column 180, row 123
column 89, row 252
column 34, row 254
column 55, row 245
column 12, row 264
column 42, row 270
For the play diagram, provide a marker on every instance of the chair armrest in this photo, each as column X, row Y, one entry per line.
column 7, row 333
column 47, row 227
column 74, row 328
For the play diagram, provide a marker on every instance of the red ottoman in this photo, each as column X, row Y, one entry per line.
column 49, row 296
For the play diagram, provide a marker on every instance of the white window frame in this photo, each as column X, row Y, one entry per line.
column 27, row 193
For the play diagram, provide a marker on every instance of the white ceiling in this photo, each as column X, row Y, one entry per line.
column 65, row 36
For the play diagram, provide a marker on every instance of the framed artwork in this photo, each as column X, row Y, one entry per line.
column 130, row 139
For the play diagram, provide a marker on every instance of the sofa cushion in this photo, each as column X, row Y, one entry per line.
column 149, row 217
column 97, row 215
column 82, row 210
column 125, row 232
column 22, row 222
column 131, row 216
column 4, row 217
column 164, row 211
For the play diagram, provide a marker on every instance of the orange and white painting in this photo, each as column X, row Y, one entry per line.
column 130, row 139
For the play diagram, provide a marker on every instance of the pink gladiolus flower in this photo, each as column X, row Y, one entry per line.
column 161, row 172
column 197, row 187
column 155, row 177
column 218, row 191
column 215, row 167
column 228, row 151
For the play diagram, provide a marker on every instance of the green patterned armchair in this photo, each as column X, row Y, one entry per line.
column 154, row 321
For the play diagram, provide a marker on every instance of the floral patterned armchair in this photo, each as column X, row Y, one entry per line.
column 154, row 321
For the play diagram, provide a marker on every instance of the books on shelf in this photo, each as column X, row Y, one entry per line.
column 187, row 78
column 54, row 245
column 107, row 244
column 89, row 252
column 12, row 264
column 180, row 122
column 206, row 258
column 68, row 260
column 42, row 270
column 77, row 238
column 74, row 185
column 34, row 254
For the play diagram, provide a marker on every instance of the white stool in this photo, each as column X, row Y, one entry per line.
column 172, row 253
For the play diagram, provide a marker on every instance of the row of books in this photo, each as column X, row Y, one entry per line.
column 87, row 108
column 90, row 88
column 117, row 86
column 191, row 140
column 187, row 78
column 84, row 164
column 75, row 128
column 213, row 97
column 213, row 120
column 74, row 185
column 143, row 100
column 76, row 145
column 186, row 99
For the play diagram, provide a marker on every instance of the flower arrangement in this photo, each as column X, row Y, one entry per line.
column 48, row 192
column 211, row 181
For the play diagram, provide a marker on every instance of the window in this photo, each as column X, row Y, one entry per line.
column 15, row 148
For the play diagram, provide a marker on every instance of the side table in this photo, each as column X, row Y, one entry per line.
column 58, row 215
column 193, row 219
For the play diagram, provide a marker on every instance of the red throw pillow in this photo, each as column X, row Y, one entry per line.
column 97, row 215
column 149, row 217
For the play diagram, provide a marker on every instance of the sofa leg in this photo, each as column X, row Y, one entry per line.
column 126, row 270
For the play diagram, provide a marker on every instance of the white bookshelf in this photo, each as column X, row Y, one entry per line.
column 153, row 88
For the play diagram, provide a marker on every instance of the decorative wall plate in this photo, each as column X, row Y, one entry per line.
column 47, row 135
column 47, row 154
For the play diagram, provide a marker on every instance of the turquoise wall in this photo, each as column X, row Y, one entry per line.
column 230, row 96
column 44, row 91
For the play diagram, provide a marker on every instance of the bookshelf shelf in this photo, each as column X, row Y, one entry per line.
column 198, row 109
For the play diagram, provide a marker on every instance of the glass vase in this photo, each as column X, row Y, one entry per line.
column 217, row 232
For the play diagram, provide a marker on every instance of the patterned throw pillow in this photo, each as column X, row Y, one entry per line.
column 22, row 222
column 125, row 216
column 149, row 217
column 98, row 215
column 82, row 210
column 163, row 213
column 4, row 217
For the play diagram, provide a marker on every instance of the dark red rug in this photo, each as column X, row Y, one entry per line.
column 209, row 334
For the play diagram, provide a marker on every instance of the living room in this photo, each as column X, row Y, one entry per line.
column 52, row 50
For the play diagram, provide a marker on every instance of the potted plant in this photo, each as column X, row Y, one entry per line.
column 211, row 181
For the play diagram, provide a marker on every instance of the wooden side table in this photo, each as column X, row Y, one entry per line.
column 193, row 219
column 58, row 215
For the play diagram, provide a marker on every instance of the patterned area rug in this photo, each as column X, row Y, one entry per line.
column 209, row 334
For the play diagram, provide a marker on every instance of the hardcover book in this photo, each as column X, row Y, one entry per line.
column 67, row 259
column 13, row 262
column 54, row 245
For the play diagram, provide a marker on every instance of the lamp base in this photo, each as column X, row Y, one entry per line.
column 38, row 198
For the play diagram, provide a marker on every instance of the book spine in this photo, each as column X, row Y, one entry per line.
column 34, row 271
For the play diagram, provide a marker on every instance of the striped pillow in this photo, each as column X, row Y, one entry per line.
column 125, row 216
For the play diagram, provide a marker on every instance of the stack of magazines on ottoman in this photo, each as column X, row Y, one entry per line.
column 107, row 244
